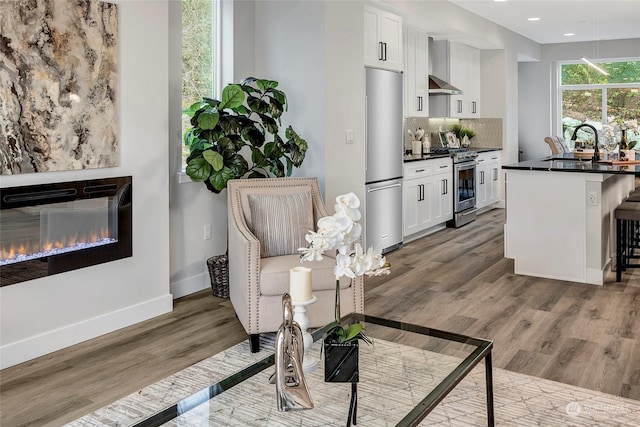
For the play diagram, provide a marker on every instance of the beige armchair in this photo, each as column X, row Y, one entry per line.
column 268, row 219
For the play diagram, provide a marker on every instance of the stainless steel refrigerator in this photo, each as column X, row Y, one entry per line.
column 384, row 158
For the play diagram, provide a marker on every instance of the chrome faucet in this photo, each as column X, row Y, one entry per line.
column 291, row 388
column 596, row 153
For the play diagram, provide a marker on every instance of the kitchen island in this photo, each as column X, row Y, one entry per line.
column 559, row 216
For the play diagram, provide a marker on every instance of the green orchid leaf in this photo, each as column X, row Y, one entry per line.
column 220, row 178
column 353, row 331
column 214, row 159
column 232, row 97
column 198, row 169
column 208, row 119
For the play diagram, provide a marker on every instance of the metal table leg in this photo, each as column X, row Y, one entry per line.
column 489, row 380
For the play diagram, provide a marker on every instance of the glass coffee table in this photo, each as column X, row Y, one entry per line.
column 407, row 371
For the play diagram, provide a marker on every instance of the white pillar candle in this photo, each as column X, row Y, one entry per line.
column 300, row 284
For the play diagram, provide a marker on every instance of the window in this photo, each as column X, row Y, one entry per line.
column 199, row 54
column 588, row 96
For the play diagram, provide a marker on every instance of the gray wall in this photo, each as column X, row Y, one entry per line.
column 538, row 110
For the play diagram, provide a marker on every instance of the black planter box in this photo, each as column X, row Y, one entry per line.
column 341, row 361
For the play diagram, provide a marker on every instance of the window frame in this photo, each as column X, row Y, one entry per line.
column 560, row 88
column 216, row 70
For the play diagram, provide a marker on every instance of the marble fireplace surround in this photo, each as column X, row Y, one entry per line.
column 64, row 212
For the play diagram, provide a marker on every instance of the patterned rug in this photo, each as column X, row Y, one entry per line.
column 520, row 400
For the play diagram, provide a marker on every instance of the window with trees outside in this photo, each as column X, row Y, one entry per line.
column 199, row 55
column 610, row 103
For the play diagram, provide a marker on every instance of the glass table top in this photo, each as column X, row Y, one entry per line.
column 407, row 371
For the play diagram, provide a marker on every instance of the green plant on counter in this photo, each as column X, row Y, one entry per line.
column 460, row 131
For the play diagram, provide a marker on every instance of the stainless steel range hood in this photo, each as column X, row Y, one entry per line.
column 438, row 86
column 439, row 69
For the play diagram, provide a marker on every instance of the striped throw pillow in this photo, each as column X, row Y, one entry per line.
column 280, row 222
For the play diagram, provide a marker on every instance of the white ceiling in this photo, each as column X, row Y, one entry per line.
column 589, row 20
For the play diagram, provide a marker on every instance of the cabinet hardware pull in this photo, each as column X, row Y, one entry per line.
column 481, row 177
column 385, row 51
column 380, row 56
column 495, row 174
column 446, row 186
column 443, row 166
column 419, row 103
column 419, row 170
column 473, row 107
column 459, row 106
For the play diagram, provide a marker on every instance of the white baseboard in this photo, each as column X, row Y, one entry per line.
column 190, row 285
column 39, row 345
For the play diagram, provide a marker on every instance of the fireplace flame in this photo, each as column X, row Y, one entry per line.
column 22, row 250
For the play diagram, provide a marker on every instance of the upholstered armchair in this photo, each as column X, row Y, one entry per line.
column 268, row 219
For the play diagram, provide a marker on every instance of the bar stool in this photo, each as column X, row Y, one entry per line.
column 627, row 217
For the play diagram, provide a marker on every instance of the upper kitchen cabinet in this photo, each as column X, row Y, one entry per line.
column 416, row 54
column 382, row 39
column 460, row 65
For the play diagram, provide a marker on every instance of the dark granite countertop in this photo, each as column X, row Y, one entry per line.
column 430, row 156
column 568, row 163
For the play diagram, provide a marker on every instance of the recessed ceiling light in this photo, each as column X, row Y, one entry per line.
column 533, row 19
column 498, row 1
column 569, row 34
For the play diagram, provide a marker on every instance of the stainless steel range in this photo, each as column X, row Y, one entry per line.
column 464, row 179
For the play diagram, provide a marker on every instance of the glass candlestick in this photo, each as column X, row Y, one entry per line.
column 309, row 363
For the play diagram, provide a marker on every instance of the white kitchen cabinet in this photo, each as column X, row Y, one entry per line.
column 463, row 73
column 488, row 179
column 428, row 194
column 382, row 39
column 443, row 191
column 416, row 84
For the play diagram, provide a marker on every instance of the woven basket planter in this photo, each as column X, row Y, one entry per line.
column 219, row 275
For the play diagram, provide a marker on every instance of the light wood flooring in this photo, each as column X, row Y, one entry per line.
column 456, row 279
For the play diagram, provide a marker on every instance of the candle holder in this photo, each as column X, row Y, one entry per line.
column 309, row 363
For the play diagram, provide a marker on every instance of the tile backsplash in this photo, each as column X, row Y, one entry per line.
column 488, row 131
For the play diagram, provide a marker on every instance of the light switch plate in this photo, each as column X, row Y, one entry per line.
column 350, row 136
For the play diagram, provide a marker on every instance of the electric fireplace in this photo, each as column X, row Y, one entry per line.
column 52, row 228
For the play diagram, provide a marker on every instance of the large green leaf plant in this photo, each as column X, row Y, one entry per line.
column 238, row 135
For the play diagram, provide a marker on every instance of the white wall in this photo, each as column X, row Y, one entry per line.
column 50, row 313
column 289, row 48
column 538, row 112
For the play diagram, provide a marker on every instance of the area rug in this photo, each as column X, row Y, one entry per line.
column 520, row 400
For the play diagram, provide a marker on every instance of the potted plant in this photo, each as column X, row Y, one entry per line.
column 244, row 122
column 341, row 232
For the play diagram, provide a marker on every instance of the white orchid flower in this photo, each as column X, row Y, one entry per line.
column 348, row 204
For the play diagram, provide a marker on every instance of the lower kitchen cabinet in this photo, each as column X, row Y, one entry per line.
column 488, row 179
column 417, row 199
column 428, row 194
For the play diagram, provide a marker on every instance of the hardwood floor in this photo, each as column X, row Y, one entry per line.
column 456, row 279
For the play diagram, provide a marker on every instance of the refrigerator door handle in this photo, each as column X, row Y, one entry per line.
column 371, row 190
column 366, row 133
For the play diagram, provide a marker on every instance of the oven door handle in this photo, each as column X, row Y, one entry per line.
column 465, row 166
